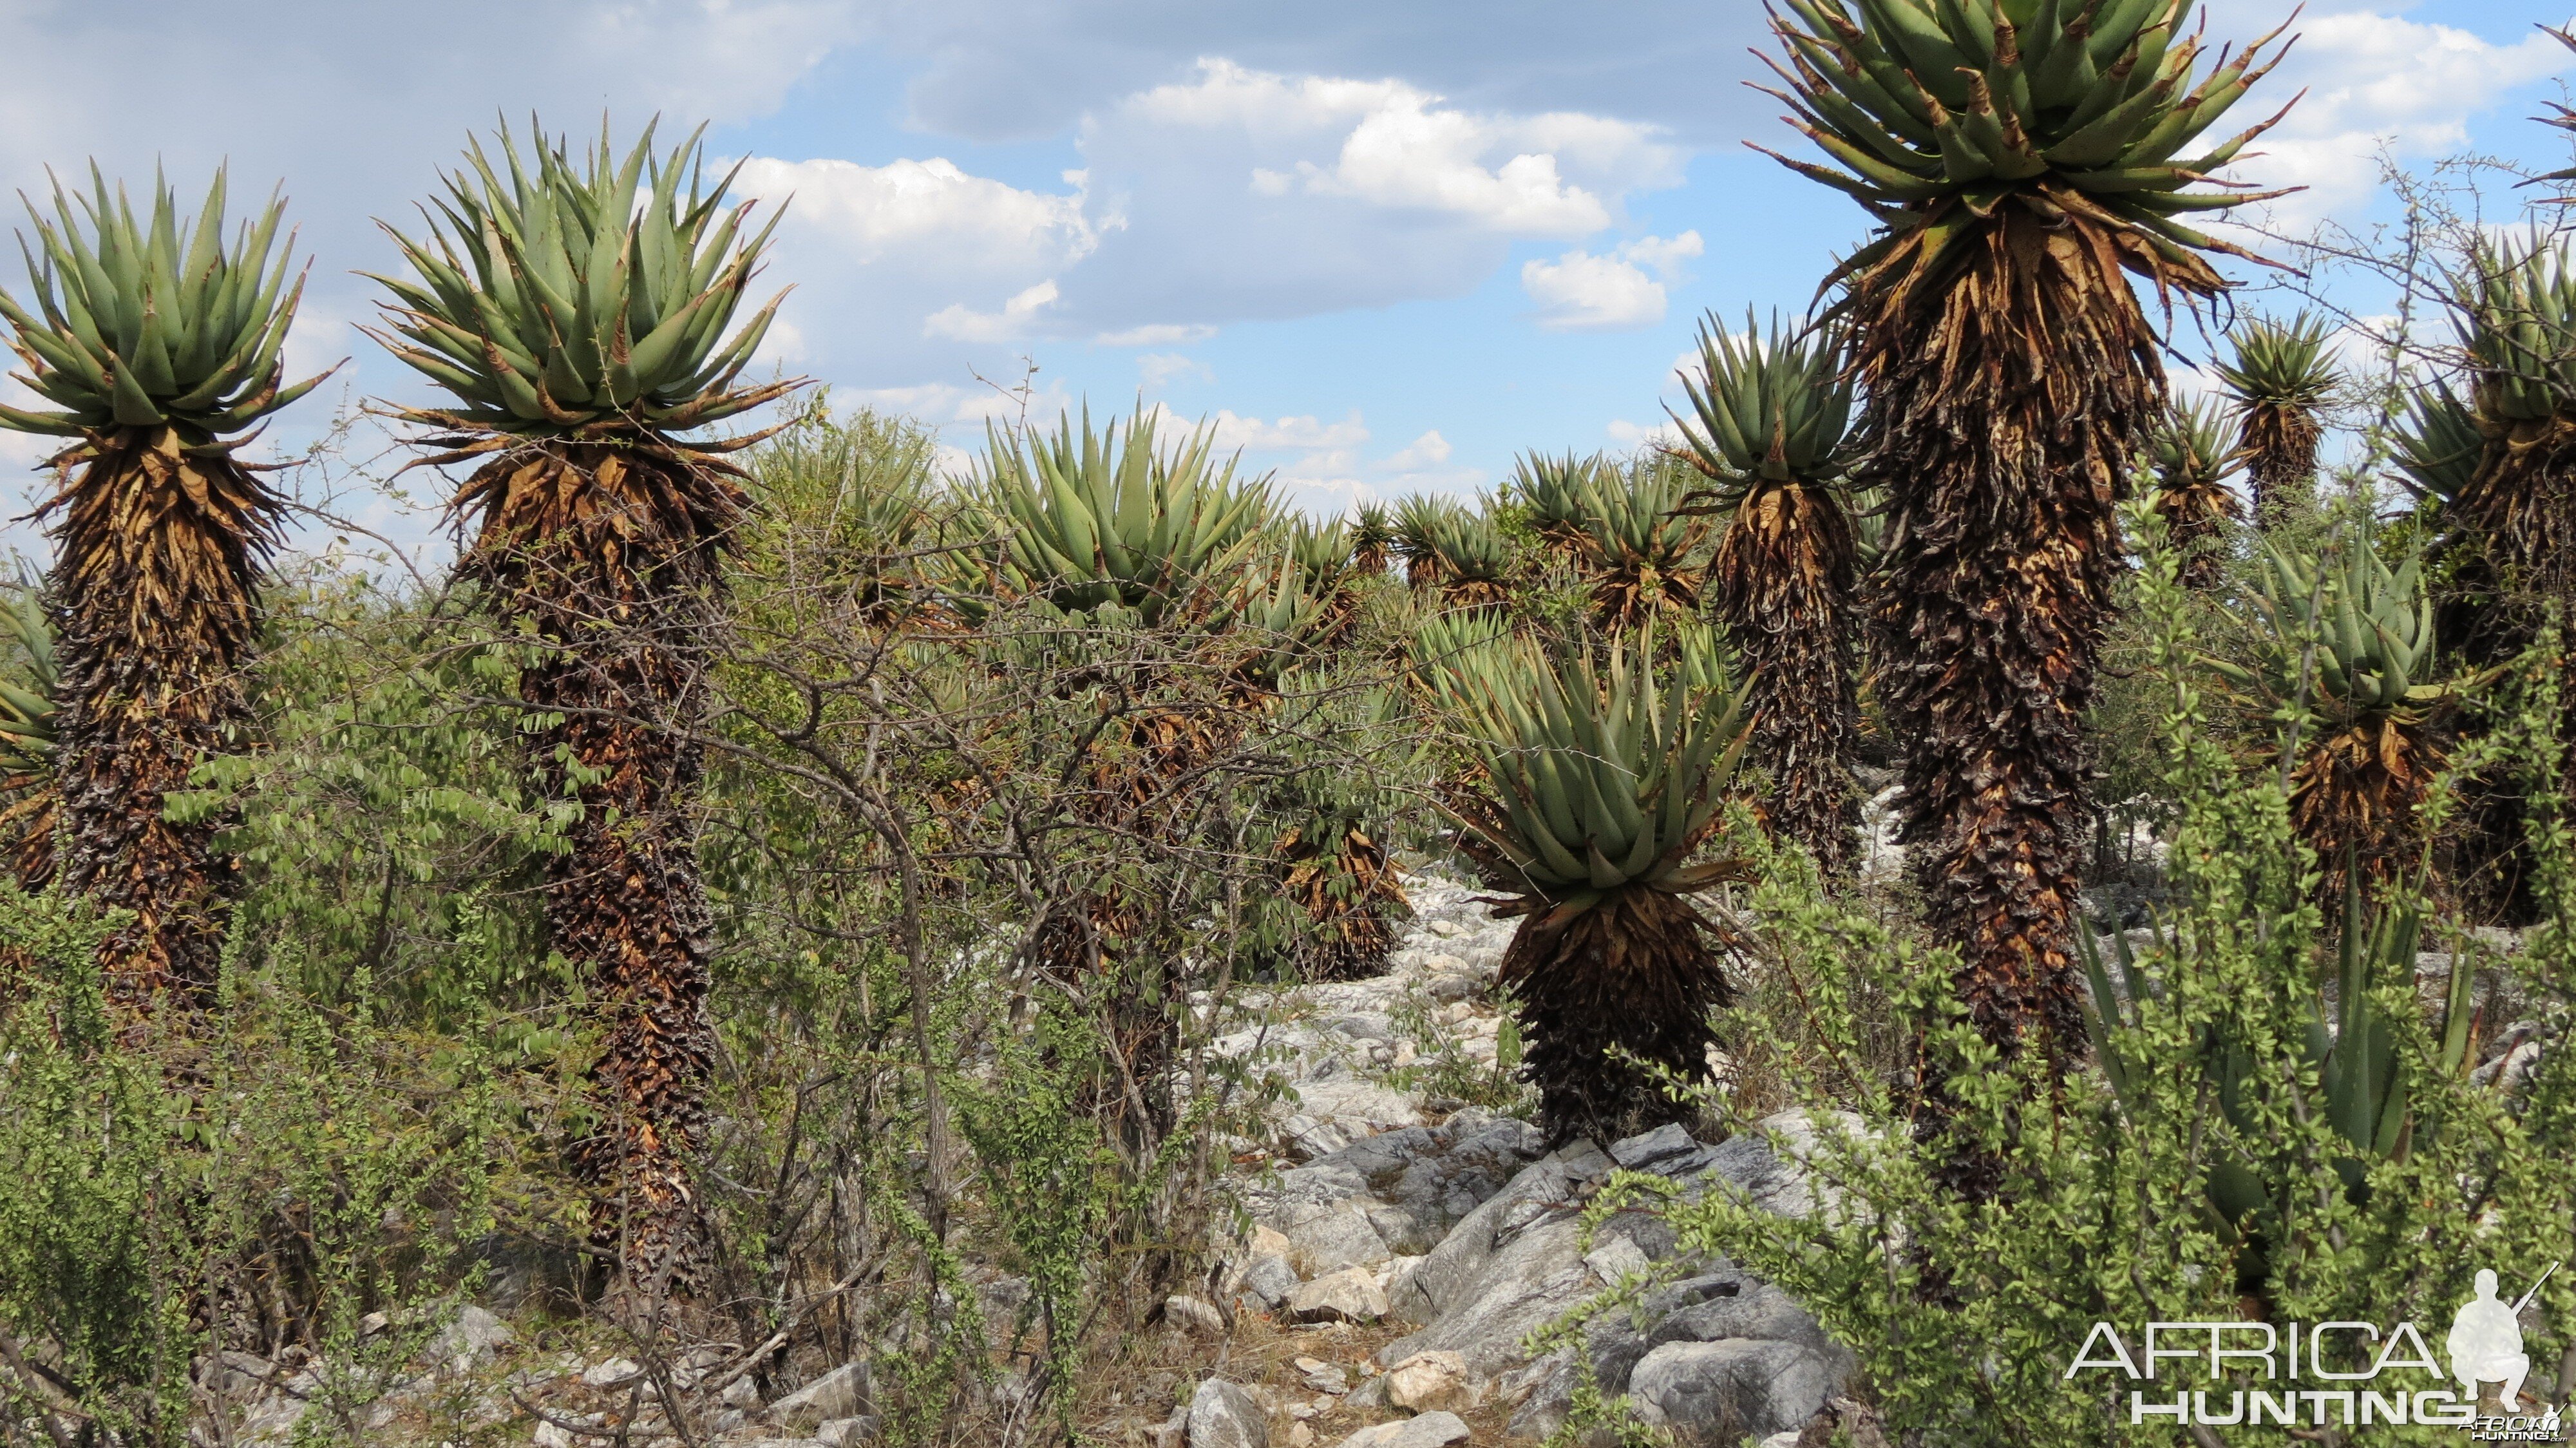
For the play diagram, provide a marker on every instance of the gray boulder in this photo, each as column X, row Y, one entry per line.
column 1431, row 1430
column 844, row 1392
column 1223, row 1415
column 1267, row 1282
column 1732, row 1388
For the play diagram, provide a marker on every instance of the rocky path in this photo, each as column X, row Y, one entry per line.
column 1409, row 1233
column 1391, row 1202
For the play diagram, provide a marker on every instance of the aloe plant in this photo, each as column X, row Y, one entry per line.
column 1599, row 783
column 2351, row 1042
column 2192, row 458
column 1473, row 562
column 2345, row 651
column 1109, row 516
column 2438, row 447
column 1555, row 488
column 1637, row 544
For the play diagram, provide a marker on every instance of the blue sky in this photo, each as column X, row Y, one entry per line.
column 1382, row 247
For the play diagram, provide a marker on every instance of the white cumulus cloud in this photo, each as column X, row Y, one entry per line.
column 1157, row 334
column 1159, row 370
column 869, row 213
column 1427, row 451
column 2375, row 82
column 1016, row 320
column 1582, row 292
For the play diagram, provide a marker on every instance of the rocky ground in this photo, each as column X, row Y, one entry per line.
column 1408, row 1236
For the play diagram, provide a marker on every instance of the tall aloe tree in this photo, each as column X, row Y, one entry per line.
column 2503, row 463
column 2281, row 381
column 157, row 342
column 2019, row 156
column 1599, row 786
column 2192, row 460
column 1770, row 429
column 576, row 307
column 2514, row 517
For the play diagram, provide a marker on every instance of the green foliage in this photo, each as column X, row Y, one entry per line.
column 154, row 324
column 302, row 1172
column 387, row 826
column 2229, row 1152
column 589, row 294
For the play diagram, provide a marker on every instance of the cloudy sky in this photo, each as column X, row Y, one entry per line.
column 1381, row 247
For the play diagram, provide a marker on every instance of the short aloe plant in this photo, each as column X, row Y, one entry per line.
column 29, row 692
column 2193, row 456
column 1372, row 539
column 1599, row 785
column 1415, row 529
column 1637, row 546
column 1473, row 561
column 1554, row 488
column 2345, row 649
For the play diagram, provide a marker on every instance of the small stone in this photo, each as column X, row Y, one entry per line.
column 1269, row 1280
column 472, row 1339
column 1431, row 1430
column 1300, row 1436
column 1433, row 1382
column 1350, row 1295
column 740, row 1394
column 1223, row 1415
column 1615, row 1258
column 550, row 1436
column 1451, row 989
column 1445, row 928
column 1188, row 1314
column 1267, row 1241
column 1637, row 1153
column 613, row 1373
column 847, row 1432
column 373, row 1323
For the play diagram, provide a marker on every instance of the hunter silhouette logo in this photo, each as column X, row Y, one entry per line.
column 2339, row 1374
column 2486, row 1341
